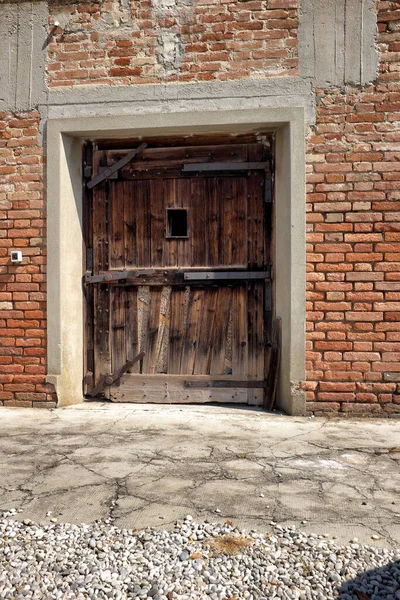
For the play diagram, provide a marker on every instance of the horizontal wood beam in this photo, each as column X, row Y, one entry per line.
column 224, row 166
column 226, row 383
column 176, row 277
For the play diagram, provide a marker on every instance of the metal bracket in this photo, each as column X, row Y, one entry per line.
column 108, row 172
column 224, row 166
column 106, row 380
column 225, row 275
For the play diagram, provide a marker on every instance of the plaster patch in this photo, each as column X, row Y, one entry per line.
column 114, row 14
column 170, row 51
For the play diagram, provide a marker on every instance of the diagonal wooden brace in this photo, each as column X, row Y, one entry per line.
column 106, row 380
column 108, row 171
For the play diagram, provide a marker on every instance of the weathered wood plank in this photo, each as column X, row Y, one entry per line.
column 117, row 228
column 197, row 221
column 192, row 330
column 102, row 356
column 226, row 383
column 153, row 328
column 214, row 235
column 157, row 225
column 131, row 326
column 226, row 192
column 117, row 329
column 162, row 395
column 255, row 220
column 177, row 330
column 130, row 223
column 159, row 157
column 221, row 322
column 166, row 389
column 100, row 229
column 206, row 334
column 256, row 347
column 239, row 331
column 143, row 230
column 239, row 223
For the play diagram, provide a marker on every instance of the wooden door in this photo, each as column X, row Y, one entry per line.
column 178, row 281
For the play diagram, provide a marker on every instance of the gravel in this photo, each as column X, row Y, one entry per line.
column 66, row 561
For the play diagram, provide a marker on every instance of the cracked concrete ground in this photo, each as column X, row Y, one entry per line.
column 150, row 465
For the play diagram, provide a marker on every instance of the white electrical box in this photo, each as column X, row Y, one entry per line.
column 16, row 256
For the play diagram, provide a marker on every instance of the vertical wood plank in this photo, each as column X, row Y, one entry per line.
column 143, row 231
column 102, row 357
column 239, row 224
column 130, row 223
column 153, row 328
column 255, row 196
column 177, row 330
column 192, row 330
column 226, row 191
column 100, row 229
column 256, row 346
column 117, row 329
column 131, row 326
column 157, row 217
column 206, row 334
column 214, row 235
column 197, row 221
column 116, row 234
column 221, row 322
column 239, row 331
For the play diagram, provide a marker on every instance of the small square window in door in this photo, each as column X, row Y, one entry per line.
column 177, row 223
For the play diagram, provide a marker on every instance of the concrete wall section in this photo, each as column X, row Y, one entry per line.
column 23, row 35
column 337, row 42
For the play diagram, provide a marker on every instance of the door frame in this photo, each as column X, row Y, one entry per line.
column 65, row 138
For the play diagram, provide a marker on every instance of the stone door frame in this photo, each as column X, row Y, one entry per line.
column 65, row 302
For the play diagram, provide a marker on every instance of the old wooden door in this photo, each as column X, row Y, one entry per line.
column 178, row 274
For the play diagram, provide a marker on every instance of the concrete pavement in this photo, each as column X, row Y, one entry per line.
column 148, row 465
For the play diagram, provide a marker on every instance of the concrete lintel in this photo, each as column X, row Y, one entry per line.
column 65, row 295
column 162, row 98
column 245, row 88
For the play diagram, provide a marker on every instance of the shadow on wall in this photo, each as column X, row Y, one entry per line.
column 382, row 583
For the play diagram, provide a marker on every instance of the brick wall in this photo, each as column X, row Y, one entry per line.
column 353, row 186
column 172, row 40
column 22, row 287
column 353, row 251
